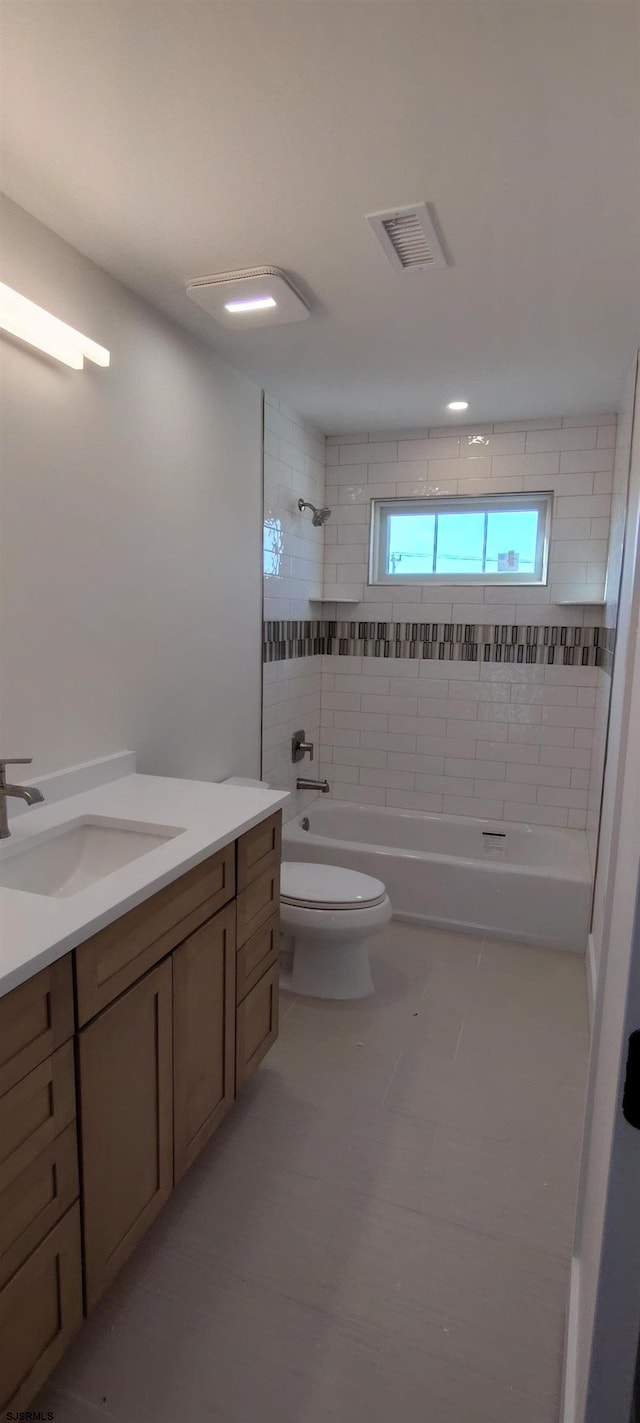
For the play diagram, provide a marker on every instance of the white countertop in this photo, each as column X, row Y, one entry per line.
column 37, row 929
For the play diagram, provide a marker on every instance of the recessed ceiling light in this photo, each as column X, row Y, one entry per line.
column 255, row 296
column 256, row 303
column 458, row 405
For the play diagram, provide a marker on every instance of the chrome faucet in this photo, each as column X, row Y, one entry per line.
column 30, row 794
column 302, row 784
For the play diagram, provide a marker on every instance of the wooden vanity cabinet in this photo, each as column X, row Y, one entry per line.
column 176, row 1004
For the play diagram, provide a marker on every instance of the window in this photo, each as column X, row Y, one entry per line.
column 490, row 539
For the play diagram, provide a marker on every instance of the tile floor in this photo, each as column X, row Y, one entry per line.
column 382, row 1227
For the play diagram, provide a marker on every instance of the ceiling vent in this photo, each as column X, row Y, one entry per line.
column 408, row 237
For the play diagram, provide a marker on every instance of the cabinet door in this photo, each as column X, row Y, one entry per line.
column 203, row 1035
column 40, row 1311
column 126, row 1108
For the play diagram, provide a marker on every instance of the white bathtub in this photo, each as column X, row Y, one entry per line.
column 522, row 882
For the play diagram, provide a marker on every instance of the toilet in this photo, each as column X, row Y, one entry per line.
column 328, row 914
column 331, row 914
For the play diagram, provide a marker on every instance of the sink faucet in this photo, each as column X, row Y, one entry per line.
column 30, row 794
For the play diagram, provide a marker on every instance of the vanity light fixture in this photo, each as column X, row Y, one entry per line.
column 31, row 323
column 458, row 405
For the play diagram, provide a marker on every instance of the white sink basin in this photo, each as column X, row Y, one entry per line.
column 76, row 855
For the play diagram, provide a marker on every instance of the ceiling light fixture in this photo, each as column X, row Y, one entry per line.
column 458, row 405
column 257, row 303
column 31, row 323
column 260, row 296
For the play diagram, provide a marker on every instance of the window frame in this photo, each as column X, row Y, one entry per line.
column 542, row 500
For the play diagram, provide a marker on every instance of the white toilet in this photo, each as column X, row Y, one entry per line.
column 331, row 914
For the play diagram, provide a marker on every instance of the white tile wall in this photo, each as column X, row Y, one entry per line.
column 293, row 468
column 574, row 461
column 506, row 742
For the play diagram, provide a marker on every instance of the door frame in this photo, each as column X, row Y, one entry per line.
column 604, row 1312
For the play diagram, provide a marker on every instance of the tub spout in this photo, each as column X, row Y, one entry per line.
column 304, row 785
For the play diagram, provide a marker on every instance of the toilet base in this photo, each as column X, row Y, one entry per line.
column 337, row 970
column 331, row 947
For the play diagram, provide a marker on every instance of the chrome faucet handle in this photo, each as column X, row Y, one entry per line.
column 300, row 747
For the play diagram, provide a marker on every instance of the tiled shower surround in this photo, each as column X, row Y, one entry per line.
column 468, row 701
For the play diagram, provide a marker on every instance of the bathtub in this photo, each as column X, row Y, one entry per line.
column 525, row 882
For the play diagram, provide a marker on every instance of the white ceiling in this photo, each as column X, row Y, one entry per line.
column 172, row 140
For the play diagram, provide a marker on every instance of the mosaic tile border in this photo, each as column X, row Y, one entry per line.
column 567, row 646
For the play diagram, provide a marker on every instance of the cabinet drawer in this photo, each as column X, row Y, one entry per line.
column 35, row 1111
column 256, row 956
column 40, row 1311
column 259, row 849
column 115, row 958
column 257, row 903
column 256, row 1025
column 35, row 1019
column 32, row 1201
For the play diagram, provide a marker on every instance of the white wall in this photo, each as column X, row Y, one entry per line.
column 498, row 740
column 293, row 565
column 131, row 509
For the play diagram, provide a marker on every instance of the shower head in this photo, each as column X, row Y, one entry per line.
column 319, row 516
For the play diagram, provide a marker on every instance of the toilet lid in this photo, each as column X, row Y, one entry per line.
column 328, row 886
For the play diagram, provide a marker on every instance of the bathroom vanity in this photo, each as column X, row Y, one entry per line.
column 118, row 1061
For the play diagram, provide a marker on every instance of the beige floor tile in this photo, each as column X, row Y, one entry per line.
column 382, row 1226
column 415, row 1386
column 381, row 1153
column 505, row 1189
column 67, row 1409
column 488, row 1303
column 440, row 945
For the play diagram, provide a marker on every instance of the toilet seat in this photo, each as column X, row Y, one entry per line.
column 327, row 887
